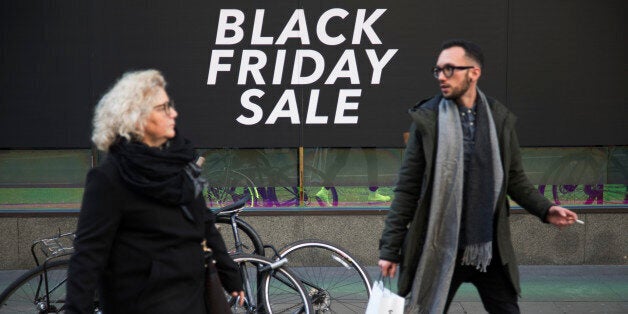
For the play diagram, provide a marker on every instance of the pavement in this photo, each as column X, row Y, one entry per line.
column 546, row 289
column 561, row 289
column 550, row 289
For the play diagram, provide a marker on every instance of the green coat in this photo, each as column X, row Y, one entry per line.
column 406, row 224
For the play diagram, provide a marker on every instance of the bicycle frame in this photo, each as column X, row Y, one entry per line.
column 236, row 234
column 52, row 248
column 316, row 291
column 48, row 291
column 248, row 290
column 232, row 211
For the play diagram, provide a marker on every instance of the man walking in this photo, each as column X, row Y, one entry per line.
column 448, row 222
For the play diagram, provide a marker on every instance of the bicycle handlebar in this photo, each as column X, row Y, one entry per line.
column 237, row 205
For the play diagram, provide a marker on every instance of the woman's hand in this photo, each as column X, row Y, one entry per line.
column 240, row 295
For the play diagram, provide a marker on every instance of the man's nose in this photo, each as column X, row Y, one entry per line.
column 441, row 76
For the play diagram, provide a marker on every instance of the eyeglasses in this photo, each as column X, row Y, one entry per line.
column 448, row 70
column 166, row 108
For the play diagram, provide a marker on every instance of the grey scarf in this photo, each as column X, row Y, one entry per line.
column 437, row 261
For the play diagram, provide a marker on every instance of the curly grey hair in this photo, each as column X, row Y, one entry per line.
column 123, row 110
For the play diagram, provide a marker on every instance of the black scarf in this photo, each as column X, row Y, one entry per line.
column 481, row 189
column 477, row 202
column 167, row 174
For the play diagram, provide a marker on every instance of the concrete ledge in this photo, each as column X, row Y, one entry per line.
column 17, row 236
column 602, row 240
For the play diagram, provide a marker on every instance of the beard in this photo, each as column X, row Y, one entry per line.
column 457, row 92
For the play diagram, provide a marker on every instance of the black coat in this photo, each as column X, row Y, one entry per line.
column 141, row 255
column 403, row 237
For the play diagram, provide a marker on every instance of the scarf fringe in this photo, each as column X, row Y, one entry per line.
column 478, row 255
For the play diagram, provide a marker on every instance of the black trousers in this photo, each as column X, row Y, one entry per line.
column 495, row 289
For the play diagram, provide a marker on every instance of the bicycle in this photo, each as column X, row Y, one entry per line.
column 228, row 186
column 579, row 177
column 270, row 287
column 42, row 289
column 230, row 178
column 334, row 280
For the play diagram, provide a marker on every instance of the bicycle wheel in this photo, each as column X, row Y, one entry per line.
column 335, row 281
column 270, row 291
column 251, row 242
column 225, row 187
column 286, row 191
column 28, row 294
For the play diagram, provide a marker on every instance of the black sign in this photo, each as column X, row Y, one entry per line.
column 308, row 73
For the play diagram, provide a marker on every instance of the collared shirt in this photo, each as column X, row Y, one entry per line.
column 467, row 120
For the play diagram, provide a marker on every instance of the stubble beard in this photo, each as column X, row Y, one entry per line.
column 456, row 93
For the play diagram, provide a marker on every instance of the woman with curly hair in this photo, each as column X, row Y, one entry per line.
column 143, row 217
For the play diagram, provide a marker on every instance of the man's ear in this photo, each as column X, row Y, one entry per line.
column 475, row 74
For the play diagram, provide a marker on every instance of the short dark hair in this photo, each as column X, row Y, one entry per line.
column 471, row 49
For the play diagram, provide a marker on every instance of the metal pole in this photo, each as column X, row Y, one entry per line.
column 301, row 195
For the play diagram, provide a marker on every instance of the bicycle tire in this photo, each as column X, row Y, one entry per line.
column 337, row 283
column 286, row 193
column 281, row 290
column 225, row 187
column 251, row 241
column 24, row 294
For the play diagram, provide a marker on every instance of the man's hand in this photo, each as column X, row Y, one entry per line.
column 561, row 217
column 388, row 268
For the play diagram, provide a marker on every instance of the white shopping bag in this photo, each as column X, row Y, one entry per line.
column 384, row 301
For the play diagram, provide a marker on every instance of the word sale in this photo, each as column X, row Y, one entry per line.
column 287, row 107
column 308, row 66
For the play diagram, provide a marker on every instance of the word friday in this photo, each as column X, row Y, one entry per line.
column 308, row 65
